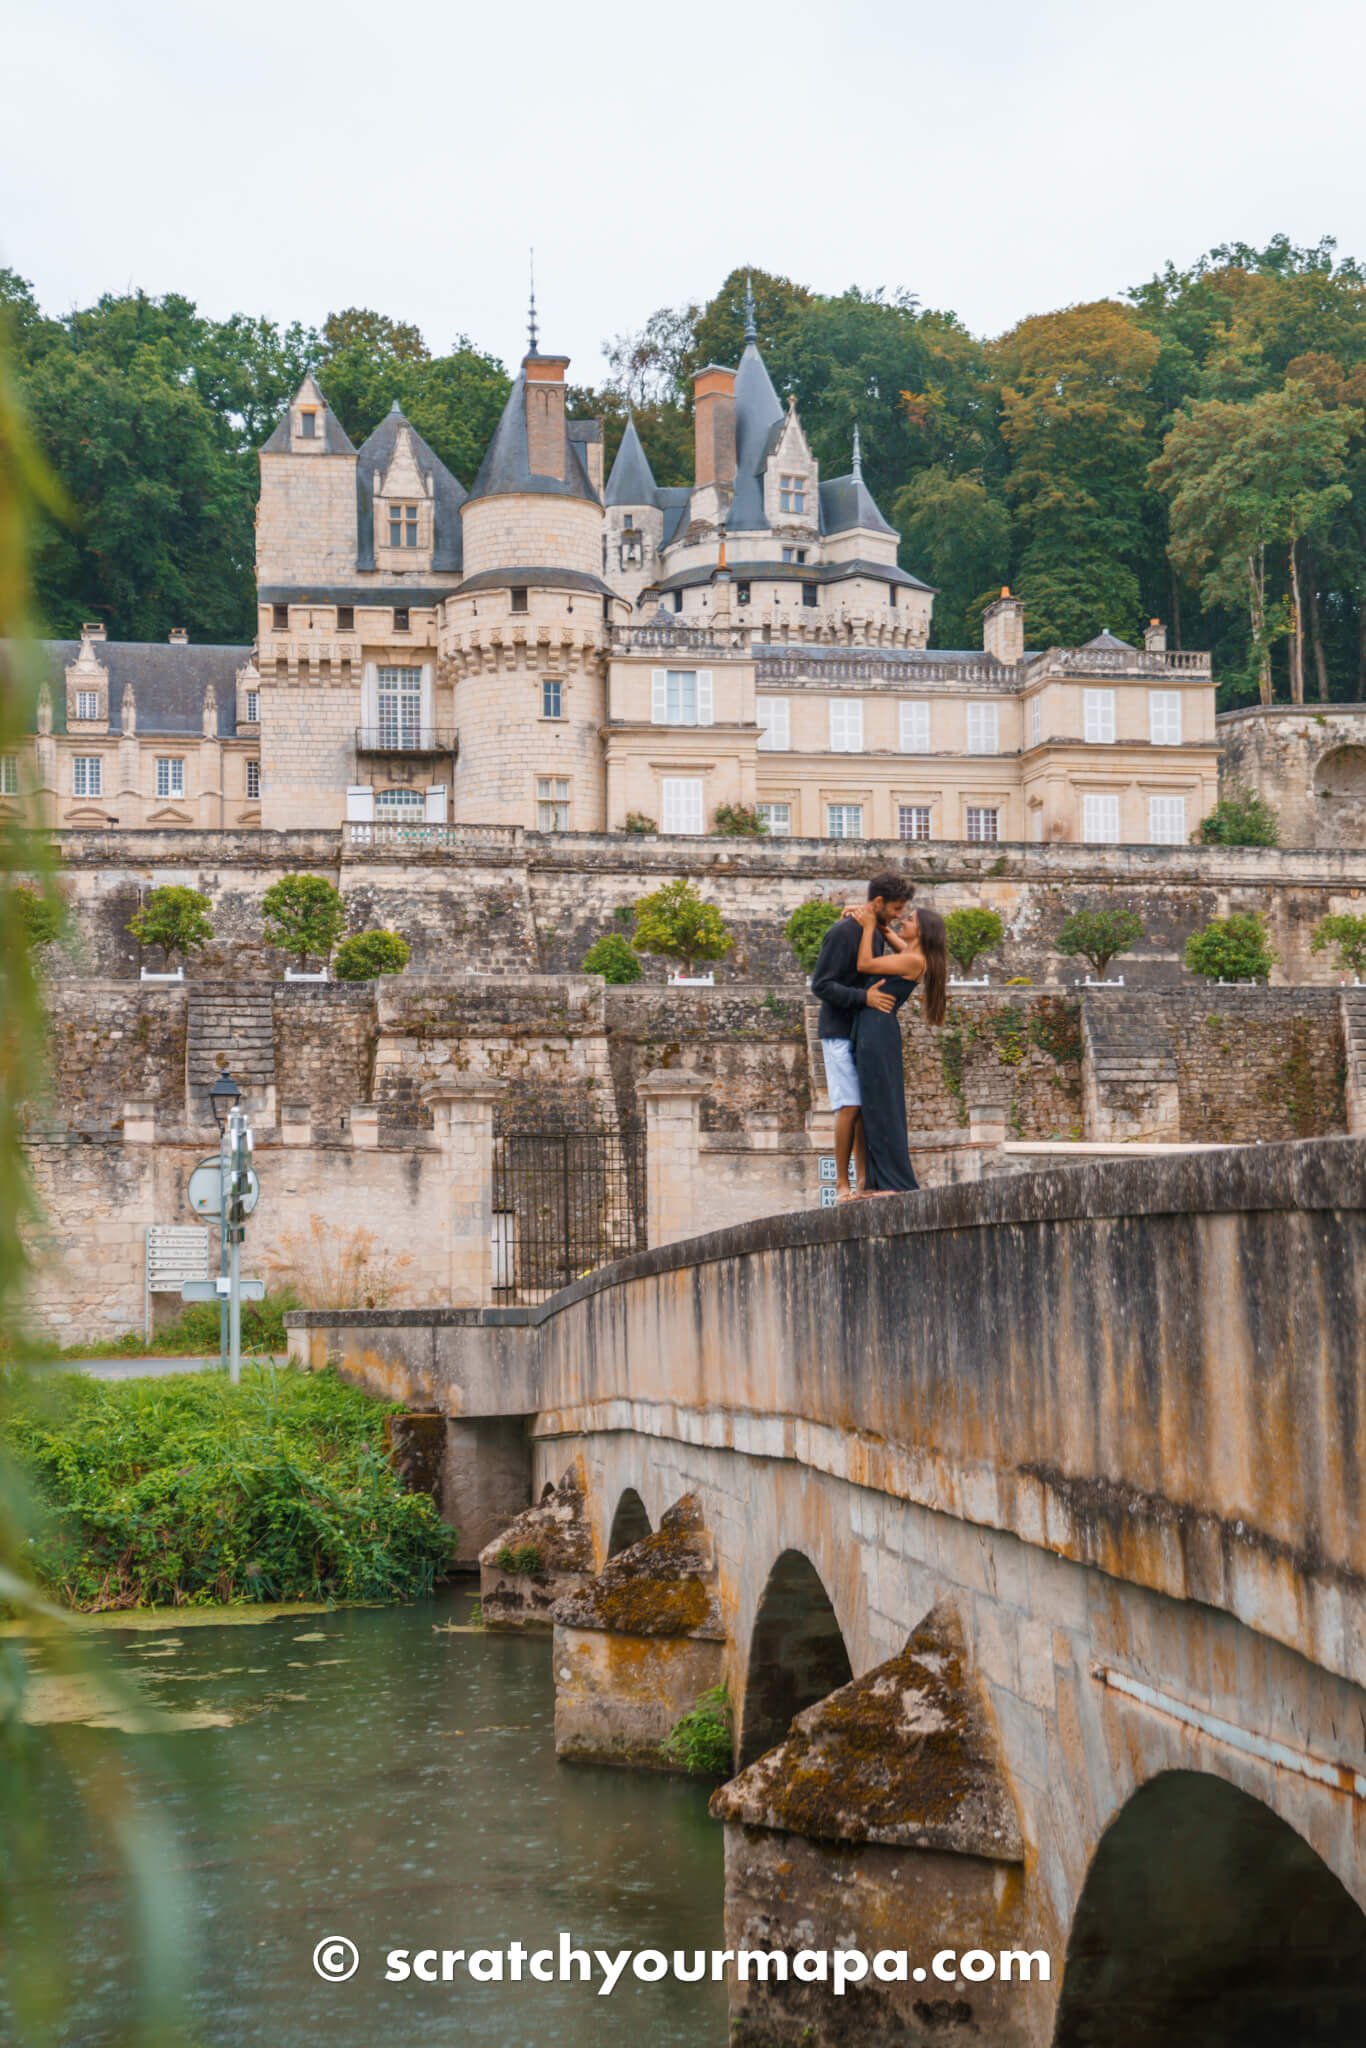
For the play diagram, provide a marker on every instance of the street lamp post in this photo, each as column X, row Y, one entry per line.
column 224, row 1097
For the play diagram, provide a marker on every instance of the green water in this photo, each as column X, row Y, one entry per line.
column 395, row 1784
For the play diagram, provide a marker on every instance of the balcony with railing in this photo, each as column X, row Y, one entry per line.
column 408, row 740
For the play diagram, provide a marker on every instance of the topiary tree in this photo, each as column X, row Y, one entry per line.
column 970, row 933
column 304, row 916
column 367, row 955
column 1347, row 933
column 738, row 821
column 675, row 923
column 614, row 958
column 1233, row 948
column 40, row 918
column 1241, row 818
column 1100, row 936
column 175, row 920
column 805, row 930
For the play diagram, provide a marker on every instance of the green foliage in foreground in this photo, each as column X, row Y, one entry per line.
column 700, row 1740
column 193, row 1334
column 189, row 1490
column 805, row 930
column 1233, row 948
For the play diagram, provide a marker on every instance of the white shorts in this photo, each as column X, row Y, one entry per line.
column 841, row 1074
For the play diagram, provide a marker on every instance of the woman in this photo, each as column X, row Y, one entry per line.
column 914, row 951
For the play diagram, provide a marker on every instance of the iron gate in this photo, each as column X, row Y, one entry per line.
column 564, row 1202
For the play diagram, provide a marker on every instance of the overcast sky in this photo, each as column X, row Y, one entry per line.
column 1000, row 160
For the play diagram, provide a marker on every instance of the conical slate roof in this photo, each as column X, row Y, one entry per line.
column 846, row 502
column 758, row 411
column 1106, row 643
column 632, row 480
column 448, row 493
column 506, row 468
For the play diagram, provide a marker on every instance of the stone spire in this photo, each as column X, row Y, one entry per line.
column 751, row 325
column 858, row 454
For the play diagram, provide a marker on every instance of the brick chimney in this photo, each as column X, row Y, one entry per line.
column 545, row 413
column 1155, row 637
column 714, row 426
column 179, row 636
column 1003, row 628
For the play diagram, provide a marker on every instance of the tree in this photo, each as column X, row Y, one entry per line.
column 367, row 955
column 805, row 930
column 1346, row 933
column 1100, row 936
column 1241, row 818
column 304, row 916
column 1233, row 948
column 675, row 923
column 174, row 919
column 613, row 957
column 738, row 821
column 957, row 536
column 971, row 933
column 40, row 916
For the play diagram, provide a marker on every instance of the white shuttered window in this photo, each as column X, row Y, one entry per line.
column 681, row 696
column 915, row 727
column 984, row 730
column 682, row 803
column 772, row 717
column 1167, row 820
column 1164, row 718
column 1100, row 820
column 846, row 725
column 1098, row 713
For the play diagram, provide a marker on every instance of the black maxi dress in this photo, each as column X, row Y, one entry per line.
column 876, row 1036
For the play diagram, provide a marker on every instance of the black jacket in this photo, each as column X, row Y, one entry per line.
column 842, row 990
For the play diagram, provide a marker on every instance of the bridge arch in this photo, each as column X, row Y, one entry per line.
column 797, row 1653
column 630, row 1524
column 1206, row 1917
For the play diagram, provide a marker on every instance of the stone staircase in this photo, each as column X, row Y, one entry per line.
column 231, row 1024
column 1354, row 1049
column 1129, row 1071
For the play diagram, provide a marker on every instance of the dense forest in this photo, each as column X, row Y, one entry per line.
column 1194, row 450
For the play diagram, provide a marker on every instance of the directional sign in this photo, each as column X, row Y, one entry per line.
column 205, row 1189
column 175, row 1252
column 217, row 1290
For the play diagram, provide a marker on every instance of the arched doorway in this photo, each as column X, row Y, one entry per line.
column 796, row 1654
column 1205, row 1918
column 630, row 1523
column 1340, row 798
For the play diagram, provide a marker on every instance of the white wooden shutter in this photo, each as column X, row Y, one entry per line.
column 369, row 696
column 705, row 712
column 360, row 804
column 659, row 696
column 436, row 804
column 428, row 706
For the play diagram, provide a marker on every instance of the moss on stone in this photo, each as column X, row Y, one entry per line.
column 665, row 1585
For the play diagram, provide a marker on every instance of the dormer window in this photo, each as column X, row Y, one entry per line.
column 87, row 703
column 252, row 700
column 792, row 494
column 403, row 526
column 308, row 425
column 794, row 554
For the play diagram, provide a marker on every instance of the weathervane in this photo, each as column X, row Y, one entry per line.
column 751, row 330
column 858, row 454
column 531, row 315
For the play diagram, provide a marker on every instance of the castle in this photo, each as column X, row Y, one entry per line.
column 572, row 653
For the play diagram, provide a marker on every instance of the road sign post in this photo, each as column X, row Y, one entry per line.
column 227, row 1188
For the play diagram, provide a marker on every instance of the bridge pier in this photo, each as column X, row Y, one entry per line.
column 884, row 1823
column 637, row 1646
column 544, row 1554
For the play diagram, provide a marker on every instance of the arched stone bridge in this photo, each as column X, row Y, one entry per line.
column 1078, row 1458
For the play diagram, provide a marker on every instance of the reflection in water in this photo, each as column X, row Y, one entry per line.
column 395, row 1783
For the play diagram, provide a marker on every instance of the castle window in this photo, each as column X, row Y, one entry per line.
column 1036, row 721
column 279, row 618
column 844, row 821
column 915, row 727
column 891, row 595
column 678, row 600
column 1164, row 718
column 772, row 717
column 552, row 803
column 518, row 598
column 552, row 697
column 984, row 824
column 846, row 726
column 792, row 494
column 984, row 736
column 9, row 775
column 400, row 806
column 87, row 703
column 913, row 821
column 253, row 702
column 403, row 526
column 742, row 593
column 253, row 782
column 170, row 776
column 346, row 618
column 682, row 803
column 400, row 707
column 1098, row 713
column 308, row 426
column 87, row 775
column 778, row 818
column 401, row 619
column 794, row 554
column 810, row 594
column 1100, row 820
column 681, row 696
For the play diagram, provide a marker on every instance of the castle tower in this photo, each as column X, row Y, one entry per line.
column 635, row 522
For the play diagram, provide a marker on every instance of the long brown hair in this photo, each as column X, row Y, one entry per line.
column 934, row 945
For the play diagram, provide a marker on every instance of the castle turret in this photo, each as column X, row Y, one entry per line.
column 306, row 521
column 635, row 522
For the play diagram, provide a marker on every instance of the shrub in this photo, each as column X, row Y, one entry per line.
column 614, row 958
column 523, row 1562
column 1347, row 933
column 700, row 1740
column 174, row 919
column 1100, row 936
column 805, row 930
column 637, row 822
column 367, row 955
column 970, row 933
column 1241, row 818
column 191, row 1490
column 41, row 917
column 1234, row 948
column 738, row 821
column 675, row 923
column 304, row 917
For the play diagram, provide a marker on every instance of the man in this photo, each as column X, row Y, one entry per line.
column 842, row 991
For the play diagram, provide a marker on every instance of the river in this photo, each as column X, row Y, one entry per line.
column 382, row 1775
